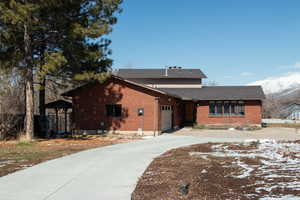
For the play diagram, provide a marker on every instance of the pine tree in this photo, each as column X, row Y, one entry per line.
column 56, row 39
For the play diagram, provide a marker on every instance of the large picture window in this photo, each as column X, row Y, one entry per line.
column 226, row 108
column 114, row 110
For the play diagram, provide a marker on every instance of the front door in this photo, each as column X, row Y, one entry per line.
column 166, row 117
column 189, row 112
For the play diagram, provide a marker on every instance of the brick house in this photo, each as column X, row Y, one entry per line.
column 151, row 101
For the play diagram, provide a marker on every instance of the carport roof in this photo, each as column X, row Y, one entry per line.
column 59, row 104
column 217, row 93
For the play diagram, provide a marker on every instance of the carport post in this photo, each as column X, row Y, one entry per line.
column 66, row 119
column 56, row 116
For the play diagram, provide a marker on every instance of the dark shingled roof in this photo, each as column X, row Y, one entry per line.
column 160, row 73
column 217, row 93
column 59, row 104
column 204, row 93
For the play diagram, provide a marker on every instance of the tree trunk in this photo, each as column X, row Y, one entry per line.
column 29, row 118
column 29, row 126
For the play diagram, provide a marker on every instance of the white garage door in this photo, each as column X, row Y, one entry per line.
column 166, row 117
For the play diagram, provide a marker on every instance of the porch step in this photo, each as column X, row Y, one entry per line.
column 187, row 128
column 188, row 124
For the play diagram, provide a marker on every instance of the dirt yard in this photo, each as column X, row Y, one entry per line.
column 255, row 169
column 15, row 155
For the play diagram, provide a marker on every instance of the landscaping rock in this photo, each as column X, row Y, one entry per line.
column 184, row 189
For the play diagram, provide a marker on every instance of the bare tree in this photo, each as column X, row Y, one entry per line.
column 11, row 104
column 273, row 107
column 210, row 83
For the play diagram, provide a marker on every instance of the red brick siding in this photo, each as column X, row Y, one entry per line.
column 90, row 107
column 90, row 110
column 253, row 114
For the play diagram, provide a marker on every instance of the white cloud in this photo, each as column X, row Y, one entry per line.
column 247, row 74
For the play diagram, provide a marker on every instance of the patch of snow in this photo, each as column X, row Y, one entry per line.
column 284, row 197
column 279, row 168
column 7, row 162
column 246, row 169
column 199, row 154
column 148, row 137
column 26, row 166
column 250, row 140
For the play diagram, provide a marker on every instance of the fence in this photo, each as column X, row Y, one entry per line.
column 11, row 125
column 280, row 121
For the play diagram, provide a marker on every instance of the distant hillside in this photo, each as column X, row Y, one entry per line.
column 287, row 86
column 291, row 93
column 280, row 92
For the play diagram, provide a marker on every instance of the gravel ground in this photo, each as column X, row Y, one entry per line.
column 289, row 134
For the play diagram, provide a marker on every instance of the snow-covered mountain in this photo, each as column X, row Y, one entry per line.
column 285, row 85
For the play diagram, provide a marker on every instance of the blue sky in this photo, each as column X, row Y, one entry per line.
column 233, row 41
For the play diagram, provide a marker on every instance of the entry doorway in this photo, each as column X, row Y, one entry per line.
column 189, row 113
column 166, row 117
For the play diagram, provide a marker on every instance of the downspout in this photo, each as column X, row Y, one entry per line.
column 155, row 116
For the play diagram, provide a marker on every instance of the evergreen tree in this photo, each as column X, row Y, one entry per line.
column 54, row 38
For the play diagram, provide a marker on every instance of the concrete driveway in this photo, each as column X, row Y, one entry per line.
column 290, row 134
column 107, row 173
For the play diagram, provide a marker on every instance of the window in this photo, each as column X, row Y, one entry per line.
column 240, row 108
column 212, row 108
column 166, row 107
column 219, row 108
column 114, row 110
column 233, row 108
column 226, row 108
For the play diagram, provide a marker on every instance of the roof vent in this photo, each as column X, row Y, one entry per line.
column 175, row 67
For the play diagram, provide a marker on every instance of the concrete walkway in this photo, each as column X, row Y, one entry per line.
column 107, row 173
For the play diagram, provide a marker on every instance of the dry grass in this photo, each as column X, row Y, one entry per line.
column 285, row 125
column 16, row 155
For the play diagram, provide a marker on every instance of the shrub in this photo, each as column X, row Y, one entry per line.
column 199, row 126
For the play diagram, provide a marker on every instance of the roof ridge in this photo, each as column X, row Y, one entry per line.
column 160, row 73
column 160, row 68
column 233, row 86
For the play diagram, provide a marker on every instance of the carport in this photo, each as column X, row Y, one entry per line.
column 60, row 106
